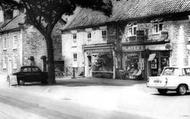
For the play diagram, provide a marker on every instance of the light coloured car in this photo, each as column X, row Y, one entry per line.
column 171, row 79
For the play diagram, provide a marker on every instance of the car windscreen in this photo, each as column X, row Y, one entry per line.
column 35, row 69
column 171, row 71
column 26, row 69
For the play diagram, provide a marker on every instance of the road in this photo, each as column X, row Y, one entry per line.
column 91, row 99
column 17, row 104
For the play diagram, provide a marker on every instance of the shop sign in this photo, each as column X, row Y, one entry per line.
column 157, row 47
column 133, row 48
column 100, row 50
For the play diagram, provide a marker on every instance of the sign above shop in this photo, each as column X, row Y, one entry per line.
column 98, row 51
column 133, row 48
column 159, row 47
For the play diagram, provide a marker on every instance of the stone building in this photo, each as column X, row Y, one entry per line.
column 143, row 36
column 22, row 44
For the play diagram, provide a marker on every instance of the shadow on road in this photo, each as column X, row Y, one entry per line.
column 89, row 82
column 170, row 94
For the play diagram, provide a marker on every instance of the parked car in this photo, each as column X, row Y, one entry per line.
column 171, row 79
column 31, row 74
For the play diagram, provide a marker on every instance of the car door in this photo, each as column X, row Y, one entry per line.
column 186, row 76
column 26, row 72
column 36, row 73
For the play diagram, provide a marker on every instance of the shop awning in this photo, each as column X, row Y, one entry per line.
column 151, row 56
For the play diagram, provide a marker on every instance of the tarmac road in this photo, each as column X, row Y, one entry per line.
column 18, row 104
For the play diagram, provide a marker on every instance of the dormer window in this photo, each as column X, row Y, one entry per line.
column 158, row 27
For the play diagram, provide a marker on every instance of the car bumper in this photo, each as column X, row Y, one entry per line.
column 163, row 87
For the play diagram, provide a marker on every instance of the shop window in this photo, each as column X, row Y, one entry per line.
column 75, row 56
column 158, row 27
column 132, row 30
column 104, row 34
column 75, row 37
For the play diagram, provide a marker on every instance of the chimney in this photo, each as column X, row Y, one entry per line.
column 16, row 12
column 1, row 15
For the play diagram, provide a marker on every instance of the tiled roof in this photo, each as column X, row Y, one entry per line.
column 14, row 23
column 129, row 9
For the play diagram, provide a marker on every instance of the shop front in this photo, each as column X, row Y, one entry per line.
column 99, row 61
column 133, row 61
column 159, row 57
column 141, row 61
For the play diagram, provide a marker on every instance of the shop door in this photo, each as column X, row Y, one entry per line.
column 154, row 67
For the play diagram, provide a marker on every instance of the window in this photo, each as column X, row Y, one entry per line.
column 5, row 43
column 14, row 62
column 157, row 27
column 75, row 56
column 104, row 34
column 186, row 71
column 15, row 40
column 4, row 63
column 74, row 37
column 132, row 31
column 89, row 35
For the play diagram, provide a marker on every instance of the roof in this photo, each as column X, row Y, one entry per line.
column 13, row 23
column 128, row 9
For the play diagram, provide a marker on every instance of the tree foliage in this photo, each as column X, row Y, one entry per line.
column 44, row 14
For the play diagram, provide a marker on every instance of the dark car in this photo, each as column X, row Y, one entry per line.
column 31, row 74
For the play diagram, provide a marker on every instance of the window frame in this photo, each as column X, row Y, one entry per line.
column 75, row 56
column 15, row 41
column 4, row 63
column 104, row 34
column 157, row 28
column 132, row 30
column 89, row 36
column 74, row 35
column 14, row 62
column 5, row 43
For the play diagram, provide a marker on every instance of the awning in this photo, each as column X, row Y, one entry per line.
column 151, row 56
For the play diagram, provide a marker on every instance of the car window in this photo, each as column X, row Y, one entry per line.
column 171, row 71
column 35, row 69
column 186, row 71
column 26, row 69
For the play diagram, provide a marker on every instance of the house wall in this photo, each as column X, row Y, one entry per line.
column 34, row 45
column 69, row 46
column 178, row 34
column 11, row 55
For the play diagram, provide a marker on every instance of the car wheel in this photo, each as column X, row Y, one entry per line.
column 182, row 90
column 22, row 82
column 18, row 81
column 162, row 91
column 44, row 82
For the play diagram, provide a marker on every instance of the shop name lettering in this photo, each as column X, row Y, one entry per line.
column 134, row 48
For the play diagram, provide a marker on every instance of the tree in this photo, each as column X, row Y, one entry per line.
column 44, row 14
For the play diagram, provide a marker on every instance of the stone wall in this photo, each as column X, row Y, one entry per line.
column 10, row 60
column 34, row 45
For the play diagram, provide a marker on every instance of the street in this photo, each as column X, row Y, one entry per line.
column 91, row 98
